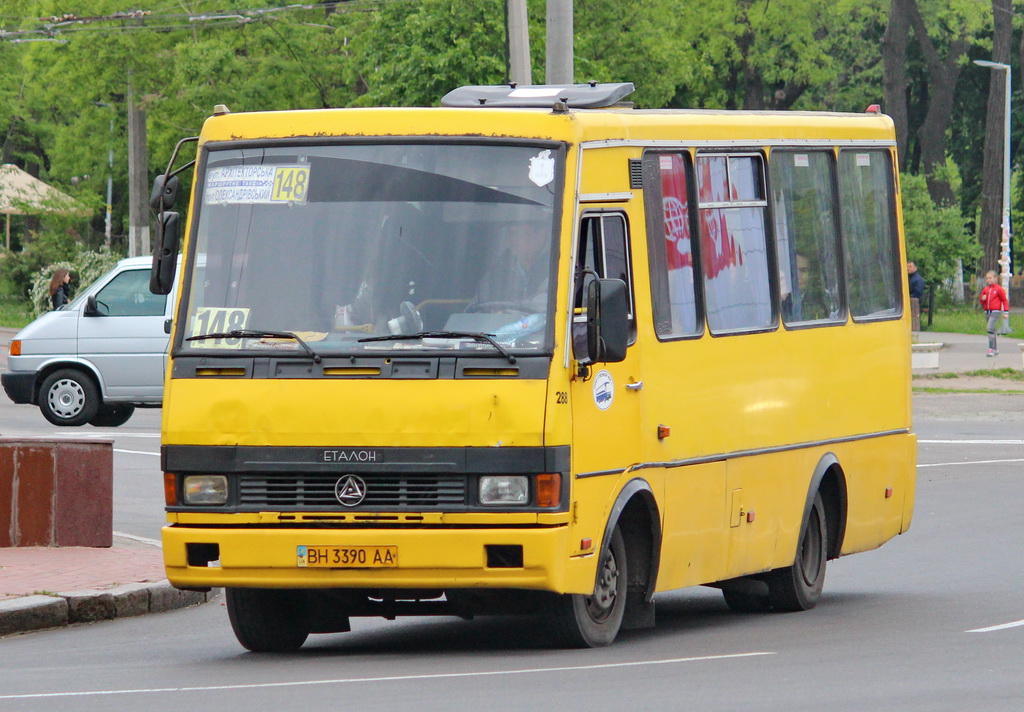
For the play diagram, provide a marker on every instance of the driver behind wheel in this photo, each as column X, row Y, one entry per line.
column 518, row 274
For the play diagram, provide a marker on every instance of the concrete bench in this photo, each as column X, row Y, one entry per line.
column 925, row 355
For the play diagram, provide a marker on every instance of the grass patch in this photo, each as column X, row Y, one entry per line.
column 986, row 391
column 968, row 321
column 1007, row 374
column 14, row 313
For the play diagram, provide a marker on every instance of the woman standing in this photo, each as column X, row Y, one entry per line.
column 60, row 291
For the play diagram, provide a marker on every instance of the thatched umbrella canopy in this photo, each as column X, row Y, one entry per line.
column 24, row 194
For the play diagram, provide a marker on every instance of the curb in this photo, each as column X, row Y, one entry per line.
column 37, row 612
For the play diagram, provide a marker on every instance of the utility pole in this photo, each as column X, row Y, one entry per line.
column 138, row 180
column 518, row 43
column 559, row 61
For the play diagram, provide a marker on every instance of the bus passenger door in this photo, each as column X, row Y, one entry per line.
column 606, row 402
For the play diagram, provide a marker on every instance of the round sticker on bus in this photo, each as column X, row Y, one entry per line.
column 604, row 390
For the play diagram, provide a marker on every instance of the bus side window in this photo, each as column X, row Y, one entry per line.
column 869, row 233
column 806, row 236
column 734, row 249
column 671, row 248
column 604, row 251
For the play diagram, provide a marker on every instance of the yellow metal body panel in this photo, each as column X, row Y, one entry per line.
column 749, row 414
column 427, row 558
column 354, row 412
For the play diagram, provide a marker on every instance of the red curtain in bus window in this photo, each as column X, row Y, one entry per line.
column 678, row 248
column 718, row 249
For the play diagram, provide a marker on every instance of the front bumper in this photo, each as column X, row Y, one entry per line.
column 428, row 558
column 19, row 385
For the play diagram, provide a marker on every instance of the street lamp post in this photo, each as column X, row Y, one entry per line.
column 1004, row 257
column 110, row 176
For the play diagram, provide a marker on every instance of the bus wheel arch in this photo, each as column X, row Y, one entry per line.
column 798, row 587
column 829, row 481
column 627, row 569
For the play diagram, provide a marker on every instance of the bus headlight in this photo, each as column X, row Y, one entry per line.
column 504, row 489
column 205, row 489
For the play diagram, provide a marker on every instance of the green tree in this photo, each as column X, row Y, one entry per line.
column 937, row 237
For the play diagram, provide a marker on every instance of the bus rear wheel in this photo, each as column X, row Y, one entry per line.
column 582, row 621
column 268, row 620
column 798, row 587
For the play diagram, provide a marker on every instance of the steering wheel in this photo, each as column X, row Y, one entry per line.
column 496, row 307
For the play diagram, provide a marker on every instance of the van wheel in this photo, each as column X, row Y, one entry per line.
column 110, row 416
column 798, row 587
column 581, row 621
column 69, row 397
column 268, row 620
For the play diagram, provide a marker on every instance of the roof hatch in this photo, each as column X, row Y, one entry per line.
column 539, row 96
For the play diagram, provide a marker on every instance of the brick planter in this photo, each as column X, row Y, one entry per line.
column 56, row 492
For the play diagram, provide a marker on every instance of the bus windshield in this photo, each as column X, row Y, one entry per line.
column 363, row 248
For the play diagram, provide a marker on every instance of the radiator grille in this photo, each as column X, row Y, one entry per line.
column 313, row 491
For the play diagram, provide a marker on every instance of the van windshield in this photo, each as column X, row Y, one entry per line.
column 340, row 244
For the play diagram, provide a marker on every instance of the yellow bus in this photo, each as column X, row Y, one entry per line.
column 533, row 351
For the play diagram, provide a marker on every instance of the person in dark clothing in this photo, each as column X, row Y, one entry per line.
column 916, row 282
column 60, row 290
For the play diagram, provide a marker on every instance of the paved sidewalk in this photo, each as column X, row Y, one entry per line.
column 46, row 587
column 966, row 352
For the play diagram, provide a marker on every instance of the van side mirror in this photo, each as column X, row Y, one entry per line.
column 607, row 322
column 165, row 192
column 165, row 255
column 91, row 308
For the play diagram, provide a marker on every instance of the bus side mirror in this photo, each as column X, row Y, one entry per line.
column 165, row 256
column 607, row 321
column 165, row 192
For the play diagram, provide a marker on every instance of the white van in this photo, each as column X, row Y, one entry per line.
column 98, row 358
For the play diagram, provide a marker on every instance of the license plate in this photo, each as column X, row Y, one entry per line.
column 347, row 557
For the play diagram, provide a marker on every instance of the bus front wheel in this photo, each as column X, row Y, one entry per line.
column 582, row 621
column 268, row 620
column 798, row 587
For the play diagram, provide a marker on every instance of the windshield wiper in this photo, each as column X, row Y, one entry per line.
column 475, row 335
column 258, row 334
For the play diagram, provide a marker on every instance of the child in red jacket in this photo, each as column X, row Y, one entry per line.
column 994, row 302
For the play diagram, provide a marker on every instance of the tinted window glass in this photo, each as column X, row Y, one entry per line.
column 806, row 237
column 865, row 193
column 733, row 246
column 128, row 295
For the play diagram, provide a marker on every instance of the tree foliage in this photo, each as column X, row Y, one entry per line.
column 63, row 102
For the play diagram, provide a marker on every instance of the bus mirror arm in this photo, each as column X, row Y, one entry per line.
column 165, row 255
column 607, row 322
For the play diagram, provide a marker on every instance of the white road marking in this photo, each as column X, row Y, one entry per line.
column 393, row 678
column 1004, row 626
column 137, row 452
column 970, row 442
column 972, row 462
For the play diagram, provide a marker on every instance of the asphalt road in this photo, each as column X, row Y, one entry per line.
column 932, row 621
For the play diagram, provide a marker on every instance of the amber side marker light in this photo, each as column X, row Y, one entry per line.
column 15, row 347
column 170, row 489
column 549, row 490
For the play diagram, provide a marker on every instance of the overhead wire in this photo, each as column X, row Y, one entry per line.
column 53, row 28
